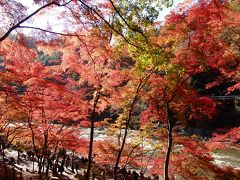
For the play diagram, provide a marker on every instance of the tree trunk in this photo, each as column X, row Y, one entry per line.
column 33, row 165
column 48, row 165
column 72, row 164
column 91, row 137
column 126, row 130
column 43, row 162
column 3, row 154
column 168, row 153
column 55, row 165
column 170, row 142
column 90, row 151
column 40, row 168
column 18, row 156
column 120, row 151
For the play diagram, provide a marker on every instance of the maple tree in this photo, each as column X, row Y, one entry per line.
column 41, row 99
column 201, row 42
column 223, row 139
column 193, row 48
column 198, row 47
column 94, row 72
column 10, row 131
column 171, row 103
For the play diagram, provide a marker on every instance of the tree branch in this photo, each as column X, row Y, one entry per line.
column 48, row 31
column 108, row 24
column 128, row 25
column 29, row 16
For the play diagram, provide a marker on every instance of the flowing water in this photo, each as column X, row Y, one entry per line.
column 228, row 157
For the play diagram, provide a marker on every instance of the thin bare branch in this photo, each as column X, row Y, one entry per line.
column 52, row 32
column 107, row 23
column 29, row 16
